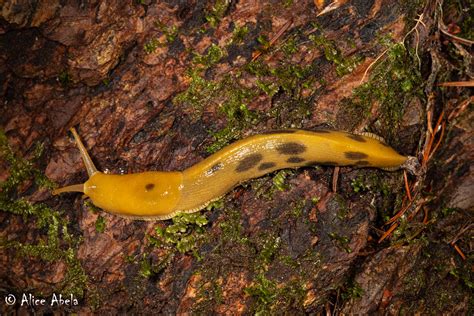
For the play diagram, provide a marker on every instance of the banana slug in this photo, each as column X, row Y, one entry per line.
column 156, row 195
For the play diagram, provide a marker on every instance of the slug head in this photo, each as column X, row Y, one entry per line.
column 147, row 195
column 144, row 194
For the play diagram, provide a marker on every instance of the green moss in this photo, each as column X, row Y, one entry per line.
column 232, row 230
column 446, row 211
column 341, row 241
column 344, row 65
column 269, row 88
column 358, row 185
column 209, row 296
column 216, row 13
column 268, row 248
column 57, row 244
column 100, row 224
column 199, row 92
column 65, row 78
column 467, row 21
column 263, row 291
column 20, row 169
column 291, row 78
column 150, row 46
column 212, row 57
column 287, row 3
column 232, row 97
column 353, row 291
column 170, row 32
column 464, row 275
column 223, row 137
column 264, row 42
column 394, row 82
column 298, row 208
column 239, row 33
column 279, row 179
column 290, row 47
column 76, row 279
column 92, row 207
column 270, row 297
column 185, row 233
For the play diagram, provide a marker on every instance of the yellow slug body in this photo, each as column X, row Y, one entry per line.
column 161, row 195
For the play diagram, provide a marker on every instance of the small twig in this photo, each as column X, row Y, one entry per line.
column 459, row 251
column 428, row 151
column 335, row 177
column 419, row 21
column 371, row 64
column 460, row 108
column 280, row 32
column 425, row 218
column 388, row 232
column 402, row 211
column 457, row 84
column 407, row 187
column 429, row 119
column 443, row 126
column 332, row 6
column 461, row 232
column 413, row 214
column 442, row 27
column 461, row 40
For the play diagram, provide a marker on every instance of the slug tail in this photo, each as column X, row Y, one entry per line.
column 70, row 188
column 91, row 169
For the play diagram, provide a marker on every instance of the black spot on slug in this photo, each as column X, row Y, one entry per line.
column 362, row 163
column 295, row 159
column 357, row 138
column 216, row 167
column 249, row 162
column 266, row 165
column 149, row 186
column 355, row 155
column 291, row 148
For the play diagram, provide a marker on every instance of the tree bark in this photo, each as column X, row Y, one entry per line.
column 158, row 85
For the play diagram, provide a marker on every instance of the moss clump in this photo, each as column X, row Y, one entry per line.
column 352, row 291
column 65, row 79
column 279, row 179
column 341, row 241
column 271, row 297
column 212, row 57
column 264, row 291
column 20, row 169
column 100, row 224
column 232, row 230
column 57, row 244
column 150, row 46
column 230, row 97
column 216, row 13
column 393, row 84
column 239, row 33
column 170, row 33
column 185, row 233
column 344, row 65
column 148, row 268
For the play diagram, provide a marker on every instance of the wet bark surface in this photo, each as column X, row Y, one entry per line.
column 151, row 85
